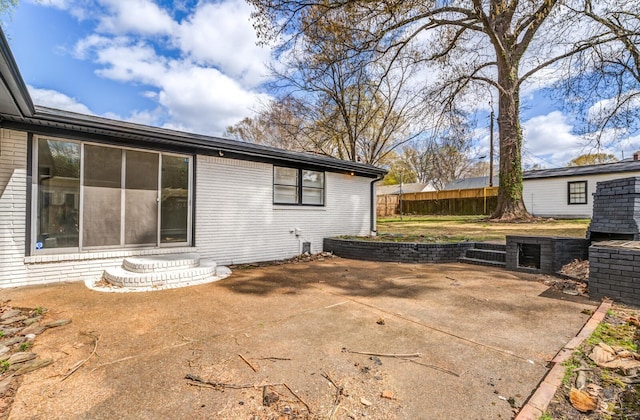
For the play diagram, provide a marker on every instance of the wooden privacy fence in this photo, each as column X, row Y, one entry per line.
column 451, row 202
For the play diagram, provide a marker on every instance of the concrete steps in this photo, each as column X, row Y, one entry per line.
column 485, row 253
column 169, row 270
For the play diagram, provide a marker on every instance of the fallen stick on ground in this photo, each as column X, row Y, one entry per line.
column 219, row 385
column 298, row 397
column 82, row 362
column 397, row 355
column 339, row 392
column 197, row 381
column 274, row 358
column 248, row 362
column 339, row 389
column 441, row 369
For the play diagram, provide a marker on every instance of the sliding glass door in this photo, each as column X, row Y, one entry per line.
column 141, row 198
column 102, row 197
column 174, row 223
column 90, row 196
column 58, row 194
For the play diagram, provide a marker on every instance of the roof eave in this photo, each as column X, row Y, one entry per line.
column 12, row 80
column 80, row 122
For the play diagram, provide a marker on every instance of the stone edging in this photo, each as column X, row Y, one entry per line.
column 539, row 401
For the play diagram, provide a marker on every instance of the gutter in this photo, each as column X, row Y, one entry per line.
column 372, row 214
column 111, row 128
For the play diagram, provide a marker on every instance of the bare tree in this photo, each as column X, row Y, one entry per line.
column 447, row 154
column 471, row 42
column 603, row 81
column 279, row 124
column 357, row 106
column 592, row 159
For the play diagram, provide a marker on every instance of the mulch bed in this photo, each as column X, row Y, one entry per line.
column 595, row 389
column 19, row 328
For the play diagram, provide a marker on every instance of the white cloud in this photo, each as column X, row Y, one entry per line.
column 54, row 99
column 204, row 72
column 58, row 4
column 205, row 100
column 630, row 100
column 192, row 97
column 136, row 63
column 135, row 16
column 550, row 136
column 549, row 141
column 221, row 34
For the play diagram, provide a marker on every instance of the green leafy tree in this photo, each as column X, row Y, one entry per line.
column 400, row 170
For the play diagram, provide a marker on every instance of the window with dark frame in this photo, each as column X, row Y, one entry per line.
column 298, row 186
column 577, row 192
column 91, row 196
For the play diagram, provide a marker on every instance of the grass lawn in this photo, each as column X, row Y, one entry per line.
column 474, row 228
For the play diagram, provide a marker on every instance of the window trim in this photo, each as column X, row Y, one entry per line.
column 299, row 187
column 572, row 196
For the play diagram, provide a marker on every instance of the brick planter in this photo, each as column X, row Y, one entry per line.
column 543, row 254
column 614, row 271
column 406, row 252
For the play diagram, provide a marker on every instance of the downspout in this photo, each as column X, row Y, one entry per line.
column 372, row 215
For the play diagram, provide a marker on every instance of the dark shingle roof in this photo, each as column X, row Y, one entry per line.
column 413, row 187
column 604, row 168
column 98, row 126
column 467, row 183
column 17, row 111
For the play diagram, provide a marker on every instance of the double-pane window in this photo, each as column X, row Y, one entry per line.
column 577, row 192
column 298, row 186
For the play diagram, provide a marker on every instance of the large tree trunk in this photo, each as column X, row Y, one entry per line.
column 510, row 201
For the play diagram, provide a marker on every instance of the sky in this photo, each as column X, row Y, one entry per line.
column 195, row 66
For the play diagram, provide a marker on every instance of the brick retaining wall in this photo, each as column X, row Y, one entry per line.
column 405, row 252
column 614, row 271
column 555, row 252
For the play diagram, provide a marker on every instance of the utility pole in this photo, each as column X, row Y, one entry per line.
column 491, row 148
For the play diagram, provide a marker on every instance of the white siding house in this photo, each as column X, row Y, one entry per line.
column 79, row 193
column 568, row 192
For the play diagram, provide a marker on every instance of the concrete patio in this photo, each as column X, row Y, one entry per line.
column 484, row 336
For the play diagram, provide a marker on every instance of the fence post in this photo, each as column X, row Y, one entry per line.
column 484, row 191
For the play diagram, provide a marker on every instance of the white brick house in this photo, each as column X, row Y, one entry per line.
column 79, row 193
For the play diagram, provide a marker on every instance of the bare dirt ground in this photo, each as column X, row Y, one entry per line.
column 287, row 341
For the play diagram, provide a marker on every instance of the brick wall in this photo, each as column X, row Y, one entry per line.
column 397, row 251
column 13, row 206
column 554, row 252
column 236, row 220
column 614, row 272
column 616, row 204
